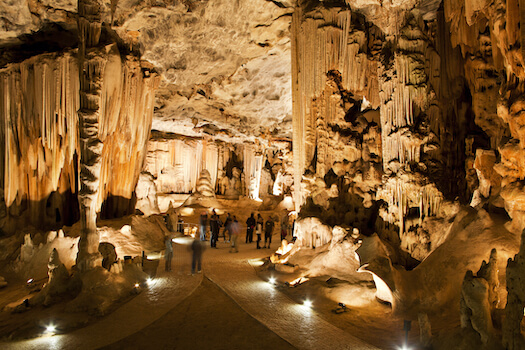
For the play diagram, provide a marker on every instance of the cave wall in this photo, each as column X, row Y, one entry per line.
column 39, row 137
column 249, row 169
column 441, row 81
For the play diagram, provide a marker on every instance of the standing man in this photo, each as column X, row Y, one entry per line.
column 203, row 221
column 214, row 227
column 250, row 225
column 196, row 260
column 268, row 231
column 284, row 226
column 227, row 224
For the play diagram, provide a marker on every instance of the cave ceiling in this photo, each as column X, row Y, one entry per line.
column 225, row 65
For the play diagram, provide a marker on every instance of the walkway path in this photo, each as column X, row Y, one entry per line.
column 296, row 324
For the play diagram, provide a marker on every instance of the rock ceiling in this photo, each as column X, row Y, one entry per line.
column 226, row 65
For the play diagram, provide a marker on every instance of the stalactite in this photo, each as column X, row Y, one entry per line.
column 38, row 103
column 324, row 40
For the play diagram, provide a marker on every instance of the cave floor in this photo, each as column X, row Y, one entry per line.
column 228, row 306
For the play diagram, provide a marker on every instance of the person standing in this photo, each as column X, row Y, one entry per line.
column 196, row 260
column 284, row 226
column 268, row 231
column 250, row 225
column 258, row 229
column 214, row 227
column 235, row 230
column 227, row 228
column 169, row 252
column 203, row 221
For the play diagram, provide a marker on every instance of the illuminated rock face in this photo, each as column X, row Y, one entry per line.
column 43, row 157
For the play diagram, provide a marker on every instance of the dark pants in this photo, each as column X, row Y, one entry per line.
column 226, row 229
column 196, row 260
column 267, row 238
column 214, row 238
column 249, row 235
column 258, row 241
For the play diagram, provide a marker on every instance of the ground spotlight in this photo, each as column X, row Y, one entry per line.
column 149, row 281
column 307, row 303
column 51, row 329
column 137, row 285
column 271, row 280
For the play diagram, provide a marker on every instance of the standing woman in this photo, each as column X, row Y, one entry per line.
column 235, row 231
column 258, row 229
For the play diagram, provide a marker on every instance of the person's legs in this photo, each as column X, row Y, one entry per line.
column 203, row 232
column 199, row 261
column 234, row 243
column 269, row 240
column 193, row 262
column 258, row 241
column 168, row 261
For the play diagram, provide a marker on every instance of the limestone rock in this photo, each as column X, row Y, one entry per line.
column 146, row 193
column 3, row 282
column 512, row 337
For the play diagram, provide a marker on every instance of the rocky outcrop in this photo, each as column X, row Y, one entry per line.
column 512, row 337
column 479, row 298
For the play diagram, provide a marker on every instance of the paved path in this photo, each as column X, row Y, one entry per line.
column 295, row 323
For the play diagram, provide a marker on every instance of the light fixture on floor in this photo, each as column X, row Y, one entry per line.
column 137, row 285
column 51, row 329
column 307, row 303
column 271, row 280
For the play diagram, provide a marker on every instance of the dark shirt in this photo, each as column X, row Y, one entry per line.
column 250, row 222
column 269, row 227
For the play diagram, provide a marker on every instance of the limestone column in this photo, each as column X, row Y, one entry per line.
column 91, row 68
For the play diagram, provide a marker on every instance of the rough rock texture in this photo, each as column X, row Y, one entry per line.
column 479, row 298
column 58, row 282
column 512, row 336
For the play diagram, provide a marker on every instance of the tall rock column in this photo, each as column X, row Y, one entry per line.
column 91, row 68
